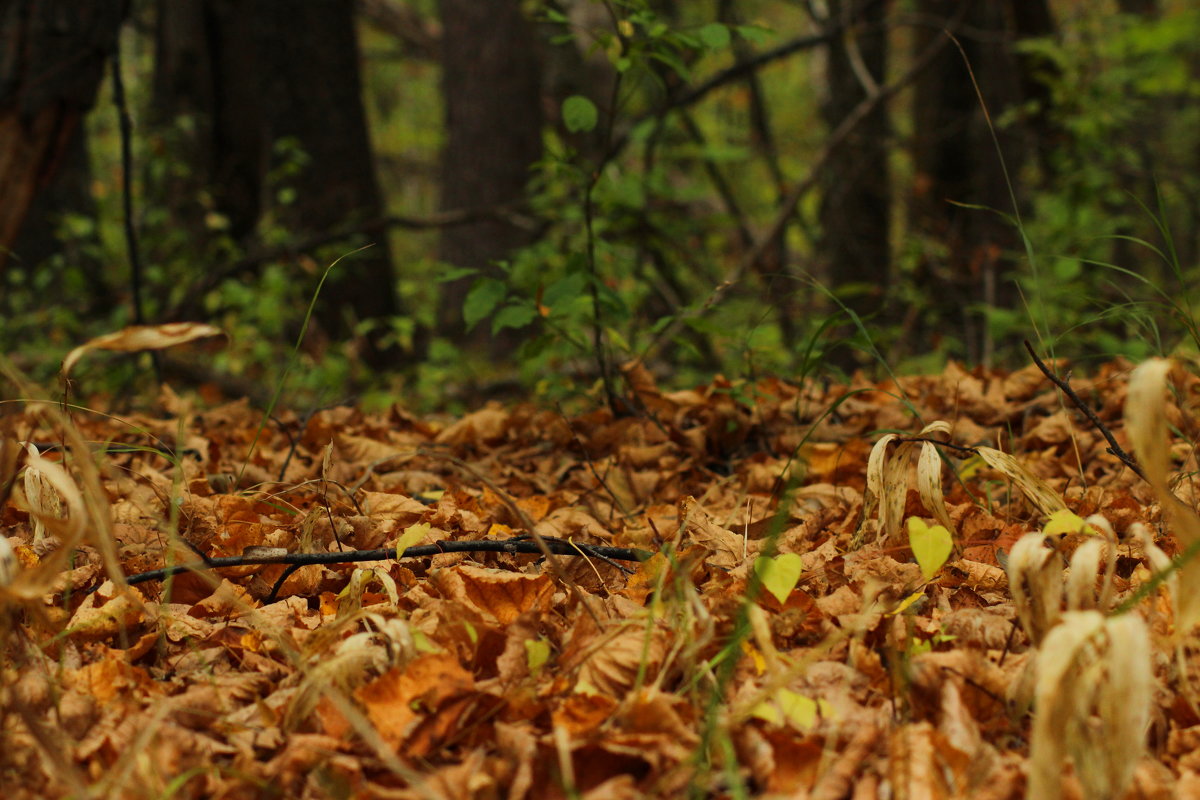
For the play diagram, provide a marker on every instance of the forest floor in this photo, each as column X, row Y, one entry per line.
column 789, row 636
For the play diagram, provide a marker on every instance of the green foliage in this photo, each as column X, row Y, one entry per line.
column 1126, row 111
column 579, row 114
column 644, row 213
column 635, row 244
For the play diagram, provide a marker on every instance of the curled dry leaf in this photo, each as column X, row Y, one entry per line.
column 726, row 548
column 1037, row 490
column 929, row 473
column 888, row 478
column 1035, row 579
column 49, row 492
column 142, row 337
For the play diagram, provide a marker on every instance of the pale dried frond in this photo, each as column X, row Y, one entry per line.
column 1093, row 697
column 1146, row 421
column 1035, row 580
column 1081, row 580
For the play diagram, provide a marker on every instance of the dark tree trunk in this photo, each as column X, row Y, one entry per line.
column 491, row 85
column 1137, row 179
column 52, row 58
column 185, row 87
column 955, row 160
column 855, row 210
column 253, row 73
column 1141, row 8
column 68, row 191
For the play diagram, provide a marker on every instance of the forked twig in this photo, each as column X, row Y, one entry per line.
column 1113, row 449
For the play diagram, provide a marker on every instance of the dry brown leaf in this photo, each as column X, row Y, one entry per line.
column 142, row 337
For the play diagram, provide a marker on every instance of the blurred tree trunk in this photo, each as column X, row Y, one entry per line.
column 255, row 74
column 52, row 59
column 1138, row 179
column 855, row 212
column 1142, row 8
column 491, row 88
column 969, row 252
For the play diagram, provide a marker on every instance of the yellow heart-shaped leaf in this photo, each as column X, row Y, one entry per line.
column 779, row 575
column 931, row 544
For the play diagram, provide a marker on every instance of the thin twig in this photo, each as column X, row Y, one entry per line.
column 133, row 250
column 734, row 73
column 1113, row 448
column 516, row 546
column 963, row 450
column 542, row 543
column 591, row 464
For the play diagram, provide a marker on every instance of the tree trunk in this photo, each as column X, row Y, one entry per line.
column 955, row 161
column 52, row 60
column 491, row 85
column 855, row 211
column 256, row 73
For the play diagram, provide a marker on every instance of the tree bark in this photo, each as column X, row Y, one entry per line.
column 955, row 161
column 255, row 73
column 52, row 58
column 491, row 85
column 855, row 211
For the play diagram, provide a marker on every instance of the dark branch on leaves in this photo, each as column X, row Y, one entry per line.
column 516, row 546
column 1113, row 448
column 963, row 451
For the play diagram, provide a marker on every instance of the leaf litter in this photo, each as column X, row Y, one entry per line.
column 941, row 587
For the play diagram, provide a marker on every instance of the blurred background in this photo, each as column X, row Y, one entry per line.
column 522, row 196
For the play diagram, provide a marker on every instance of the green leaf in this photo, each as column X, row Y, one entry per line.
column 801, row 711
column 779, row 575
column 661, row 324
column 672, row 61
column 565, row 289
column 753, row 33
column 514, row 316
column 579, row 114
column 930, row 544
column 482, row 300
column 1064, row 522
column 714, row 35
column 421, row 642
column 537, row 653
column 617, row 339
column 413, row 535
column 450, row 273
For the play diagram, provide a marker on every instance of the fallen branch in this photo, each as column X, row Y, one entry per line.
column 1113, row 448
column 515, row 546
